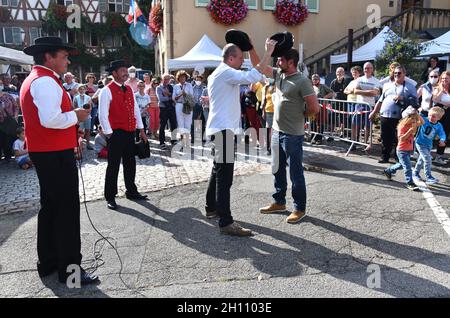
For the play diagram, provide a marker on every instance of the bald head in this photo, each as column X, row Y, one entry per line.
column 233, row 56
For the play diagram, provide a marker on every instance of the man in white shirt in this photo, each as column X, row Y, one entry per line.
column 51, row 138
column 366, row 90
column 70, row 85
column 120, row 116
column 223, row 123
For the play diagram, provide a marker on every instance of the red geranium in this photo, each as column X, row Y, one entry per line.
column 290, row 12
column 227, row 11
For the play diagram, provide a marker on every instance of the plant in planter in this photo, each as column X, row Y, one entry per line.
column 227, row 11
column 290, row 12
column 156, row 19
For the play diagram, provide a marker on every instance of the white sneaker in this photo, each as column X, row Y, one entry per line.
column 432, row 181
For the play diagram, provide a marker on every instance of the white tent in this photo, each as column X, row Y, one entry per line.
column 438, row 46
column 368, row 51
column 204, row 54
column 10, row 56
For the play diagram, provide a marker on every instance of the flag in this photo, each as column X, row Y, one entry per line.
column 134, row 13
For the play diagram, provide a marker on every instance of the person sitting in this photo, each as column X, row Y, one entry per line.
column 101, row 144
column 20, row 151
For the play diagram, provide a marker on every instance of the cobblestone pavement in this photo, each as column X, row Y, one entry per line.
column 19, row 190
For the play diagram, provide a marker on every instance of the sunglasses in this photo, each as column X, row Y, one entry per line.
column 434, row 76
column 398, row 73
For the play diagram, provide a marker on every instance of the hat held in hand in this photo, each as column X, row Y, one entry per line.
column 409, row 111
column 240, row 38
column 285, row 42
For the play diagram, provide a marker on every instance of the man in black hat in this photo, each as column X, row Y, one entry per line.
column 294, row 100
column 223, row 123
column 51, row 136
column 119, row 116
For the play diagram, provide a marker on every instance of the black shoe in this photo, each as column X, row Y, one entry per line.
column 112, row 205
column 383, row 161
column 135, row 196
column 387, row 174
column 412, row 186
column 85, row 278
column 46, row 270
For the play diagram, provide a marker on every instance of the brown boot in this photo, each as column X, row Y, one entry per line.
column 295, row 217
column 235, row 230
column 273, row 208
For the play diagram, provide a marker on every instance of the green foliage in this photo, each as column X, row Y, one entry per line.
column 115, row 24
column 402, row 51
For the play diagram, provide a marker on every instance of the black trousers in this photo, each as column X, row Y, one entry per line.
column 167, row 114
column 6, row 144
column 388, row 136
column 120, row 148
column 197, row 115
column 58, row 234
column 221, row 180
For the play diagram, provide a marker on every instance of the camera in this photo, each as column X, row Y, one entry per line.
column 86, row 106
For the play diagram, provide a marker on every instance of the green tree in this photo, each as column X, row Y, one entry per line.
column 403, row 51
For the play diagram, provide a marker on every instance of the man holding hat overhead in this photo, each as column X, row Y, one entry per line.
column 224, row 121
column 294, row 100
column 119, row 115
column 51, row 136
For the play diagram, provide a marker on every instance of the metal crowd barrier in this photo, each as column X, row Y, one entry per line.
column 342, row 120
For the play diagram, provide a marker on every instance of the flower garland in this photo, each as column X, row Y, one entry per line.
column 156, row 19
column 227, row 11
column 290, row 12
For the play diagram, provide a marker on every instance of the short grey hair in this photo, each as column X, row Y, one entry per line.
column 230, row 50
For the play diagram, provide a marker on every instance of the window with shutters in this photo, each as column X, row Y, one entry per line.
column 269, row 4
column 313, row 5
column 252, row 4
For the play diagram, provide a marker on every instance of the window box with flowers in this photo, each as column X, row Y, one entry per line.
column 290, row 12
column 156, row 18
column 227, row 11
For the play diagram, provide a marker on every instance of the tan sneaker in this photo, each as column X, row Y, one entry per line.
column 236, row 230
column 273, row 208
column 295, row 217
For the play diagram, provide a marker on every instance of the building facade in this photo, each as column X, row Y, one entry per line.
column 185, row 22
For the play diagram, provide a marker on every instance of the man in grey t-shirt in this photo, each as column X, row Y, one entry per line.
column 294, row 100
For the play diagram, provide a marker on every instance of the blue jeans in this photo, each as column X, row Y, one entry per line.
column 424, row 160
column 405, row 163
column 94, row 113
column 288, row 149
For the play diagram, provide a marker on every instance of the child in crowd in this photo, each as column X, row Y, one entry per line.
column 101, row 144
column 406, row 129
column 424, row 143
column 20, row 152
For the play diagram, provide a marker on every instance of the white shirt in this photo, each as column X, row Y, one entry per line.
column 365, row 83
column 104, row 100
column 19, row 146
column 224, row 101
column 47, row 96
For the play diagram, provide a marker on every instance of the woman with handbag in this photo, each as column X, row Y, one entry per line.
column 9, row 112
column 183, row 96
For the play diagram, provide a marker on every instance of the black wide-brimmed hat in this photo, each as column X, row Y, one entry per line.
column 47, row 43
column 240, row 38
column 285, row 42
column 114, row 65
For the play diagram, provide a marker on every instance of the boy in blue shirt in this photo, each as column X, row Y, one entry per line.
column 424, row 143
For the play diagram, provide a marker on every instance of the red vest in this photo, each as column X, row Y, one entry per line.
column 121, row 108
column 39, row 138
